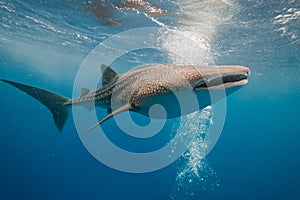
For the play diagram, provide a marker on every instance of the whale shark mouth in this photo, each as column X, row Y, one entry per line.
column 219, row 82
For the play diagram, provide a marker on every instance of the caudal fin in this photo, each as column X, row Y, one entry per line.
column 54, row 102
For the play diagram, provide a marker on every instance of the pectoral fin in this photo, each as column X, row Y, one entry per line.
column 119, row 110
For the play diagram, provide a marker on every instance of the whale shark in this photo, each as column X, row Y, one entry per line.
column 139, row 89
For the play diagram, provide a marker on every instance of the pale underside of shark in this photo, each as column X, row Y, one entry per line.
column 141, row 88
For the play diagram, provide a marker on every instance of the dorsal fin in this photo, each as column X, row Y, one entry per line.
column 84, row 91
column 108, row 74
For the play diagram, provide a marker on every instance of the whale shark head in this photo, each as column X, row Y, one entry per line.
column 218, row 77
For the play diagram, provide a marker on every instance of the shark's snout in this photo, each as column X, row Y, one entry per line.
column 223, row 77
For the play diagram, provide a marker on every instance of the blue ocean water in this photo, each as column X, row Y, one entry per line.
column 43, row 43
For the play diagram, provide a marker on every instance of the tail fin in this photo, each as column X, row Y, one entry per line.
column 54, row 102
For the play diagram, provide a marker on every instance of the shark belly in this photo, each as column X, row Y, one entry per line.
column 168, row 105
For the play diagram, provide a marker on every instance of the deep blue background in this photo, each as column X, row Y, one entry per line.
column 256, row 157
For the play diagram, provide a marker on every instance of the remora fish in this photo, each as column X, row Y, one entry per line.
column 141, row 88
